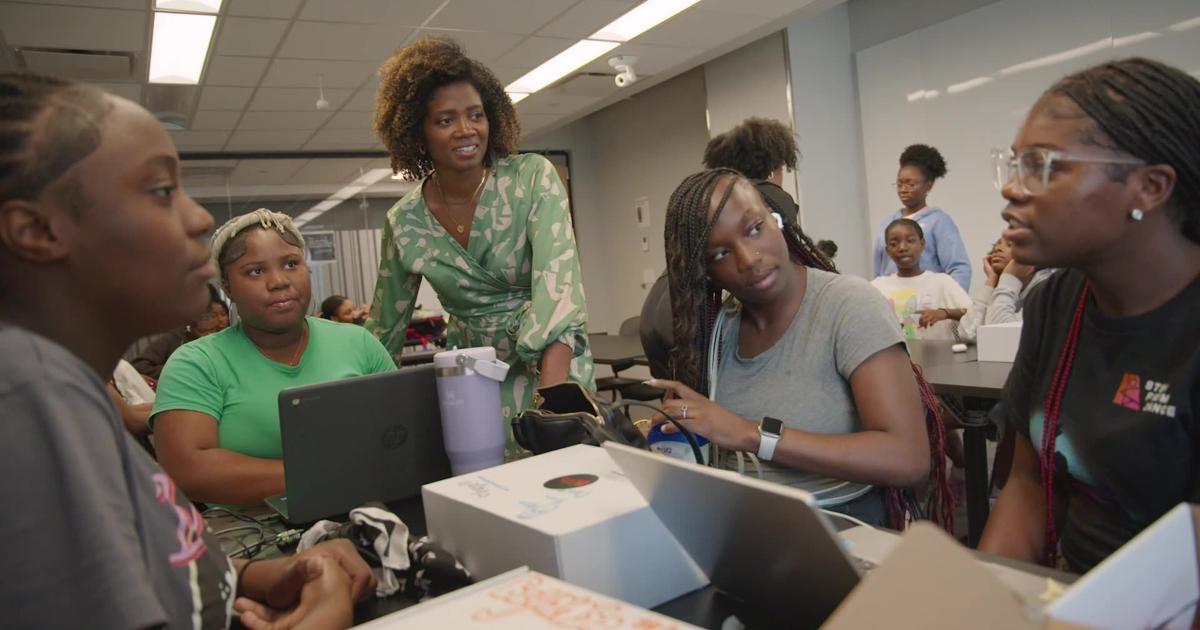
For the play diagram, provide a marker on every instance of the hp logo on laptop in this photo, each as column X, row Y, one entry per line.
column 394, row 437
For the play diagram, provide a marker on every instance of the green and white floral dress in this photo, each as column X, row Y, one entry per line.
column 516, row 287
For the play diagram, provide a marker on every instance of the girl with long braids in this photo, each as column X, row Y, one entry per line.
column 489, row 230
column 798, row 346
column 1103, row 179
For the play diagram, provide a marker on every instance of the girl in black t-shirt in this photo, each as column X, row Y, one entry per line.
column 1103, row 179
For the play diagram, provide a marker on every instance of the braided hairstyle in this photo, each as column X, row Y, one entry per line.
column 756, row 148
column 46, row 126
column 1149, row 110
column 407, row 80
column 926, row 158
column 695, row 303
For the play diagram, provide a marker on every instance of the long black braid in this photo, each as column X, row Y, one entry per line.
column 695, row 303
column 1148, row 110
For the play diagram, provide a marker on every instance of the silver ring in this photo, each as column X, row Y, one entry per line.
column 683, row 412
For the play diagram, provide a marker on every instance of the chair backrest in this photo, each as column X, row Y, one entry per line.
column 630, row 326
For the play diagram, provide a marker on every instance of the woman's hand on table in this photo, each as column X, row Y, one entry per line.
column 323, row 591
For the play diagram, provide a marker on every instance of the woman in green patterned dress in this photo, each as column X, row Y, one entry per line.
column 490, row 230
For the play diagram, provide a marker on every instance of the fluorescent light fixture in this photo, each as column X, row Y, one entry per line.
column 932, row 94
column 915, row 96
column 517, row 97
column 1129, row 40
column 180, row 46
column 1185, row 25
column 189, row 6
column 1059, row 57
column 560, row 65
column 364, row 181
column 640, row 19
column 968, row 85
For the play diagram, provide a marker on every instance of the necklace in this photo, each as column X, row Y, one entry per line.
column 459, row 226
column 299, row 347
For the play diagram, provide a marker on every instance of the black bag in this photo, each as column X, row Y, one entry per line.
column 565, row 415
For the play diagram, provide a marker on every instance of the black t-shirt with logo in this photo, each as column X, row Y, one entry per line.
column 1128, row 421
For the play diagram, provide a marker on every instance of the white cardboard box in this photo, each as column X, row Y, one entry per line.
column 524, row 600
column 998, row 342
column 929, row 582
column 570, row 514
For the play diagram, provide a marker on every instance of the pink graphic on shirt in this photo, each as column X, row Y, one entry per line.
column 189, row 531
column 1129, row 393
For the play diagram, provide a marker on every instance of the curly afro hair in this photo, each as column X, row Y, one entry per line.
column 754, row 148
column 410, row 76
column 926, row 158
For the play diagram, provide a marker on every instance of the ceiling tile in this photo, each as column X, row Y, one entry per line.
column 651, row 59
column 762, row 8
column 479, row 45
column 532, row 123
column 363, row 101
column 296, row 99
column 342, row 138
column 136, row 5
column 237, row 71
column 534, row 51
column 214, row 120
column 253, row 37
column 511, row 16
column 304, row 73
column 351, row 120
column 224, row 98
column 265, row 172
column 191, row 139
column 131, row 91
column 553, row 102
column 357, row 42
column 694, row 25
column 284, row 120
column 508, row 74
column 334, row 171
column 72, row 27
column 264, row 8
column 586, row 18
column 274, row 139
column 406, row 13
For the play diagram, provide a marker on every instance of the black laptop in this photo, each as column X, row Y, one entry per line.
column 367, row 438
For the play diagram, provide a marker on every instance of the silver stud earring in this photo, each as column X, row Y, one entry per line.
column 1136, row 214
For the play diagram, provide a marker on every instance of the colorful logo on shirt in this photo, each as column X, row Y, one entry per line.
column 1153, row 397
column 189, row 531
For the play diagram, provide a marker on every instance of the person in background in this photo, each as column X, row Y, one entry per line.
column 818, row 351
column 339, row 308
column 654, row 328
column 829, row 248
column 1000, row 299
column 488, row 229
column 760, row 149
column 920, row 167
column 216, row 415
column 927, row 304
column 99, row 246
column 150, row 361
column 1103, row 182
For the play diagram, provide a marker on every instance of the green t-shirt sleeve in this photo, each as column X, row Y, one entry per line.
column 377, row 357
column 189, row 383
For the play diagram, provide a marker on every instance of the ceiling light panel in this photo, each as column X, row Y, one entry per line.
column 560, row 65
column 179, row 47
column 640, row 19
column 189, row 6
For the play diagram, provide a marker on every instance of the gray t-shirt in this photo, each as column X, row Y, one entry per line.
column 804, row 379
column 94, row 533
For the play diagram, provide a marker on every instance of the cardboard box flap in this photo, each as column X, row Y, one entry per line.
column 929, row 582
column 1150, row 582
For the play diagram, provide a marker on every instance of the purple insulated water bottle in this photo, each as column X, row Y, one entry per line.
column 468, row 384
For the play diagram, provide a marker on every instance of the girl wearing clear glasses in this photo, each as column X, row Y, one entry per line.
column 920, row 166
column 1104, row 181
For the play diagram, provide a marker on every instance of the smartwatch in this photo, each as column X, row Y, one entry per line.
column 769, row 431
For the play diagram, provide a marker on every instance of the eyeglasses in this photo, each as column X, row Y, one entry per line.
column 1031, row 166
column 906, row 185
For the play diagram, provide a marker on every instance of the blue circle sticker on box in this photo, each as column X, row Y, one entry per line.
column 675, row 444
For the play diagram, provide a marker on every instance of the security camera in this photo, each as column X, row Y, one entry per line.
column 322, row 103
column 623, row 64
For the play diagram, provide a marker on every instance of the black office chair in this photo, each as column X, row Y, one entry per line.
column 624, row 387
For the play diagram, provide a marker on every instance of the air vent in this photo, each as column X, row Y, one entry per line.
column 83, row 65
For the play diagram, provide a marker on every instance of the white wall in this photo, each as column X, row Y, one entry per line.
column 989, row 44
column 640, row 147
column 825, row 104
column 750, row 81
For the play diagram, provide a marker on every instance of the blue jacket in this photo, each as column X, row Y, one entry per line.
column 944, row 249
